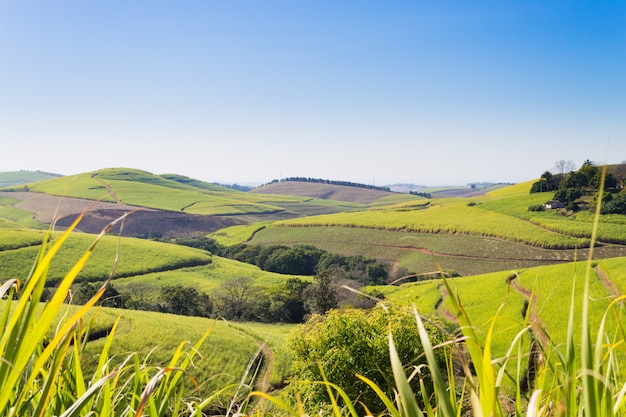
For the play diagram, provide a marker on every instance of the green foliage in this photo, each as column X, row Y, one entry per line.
column 185, row 301
column 85, row 291
column 342, row 344
column 19, row 238
column 306, row 260
column 616, row 205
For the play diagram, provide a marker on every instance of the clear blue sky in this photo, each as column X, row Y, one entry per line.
column 429, row 92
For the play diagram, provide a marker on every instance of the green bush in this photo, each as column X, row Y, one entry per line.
column 344, row 343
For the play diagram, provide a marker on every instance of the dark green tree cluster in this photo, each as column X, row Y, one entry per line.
column 570, row 187
column 84, row 291
column 307, row 260
column 184, row 301
column 420, row 194
column 330, row 182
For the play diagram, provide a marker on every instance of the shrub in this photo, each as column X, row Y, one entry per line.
column 342, row 344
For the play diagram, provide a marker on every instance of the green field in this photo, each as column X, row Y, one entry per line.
column 447, row 217
column 204, row 278
column 137, row 256
column 483, row 295
column 223, row 357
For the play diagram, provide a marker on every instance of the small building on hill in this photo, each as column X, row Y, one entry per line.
column 554, row 204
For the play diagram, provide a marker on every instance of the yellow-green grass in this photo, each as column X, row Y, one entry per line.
column 143, row 189
column 11, row 238
column 616, row 270
column 80, row 186
column 482, row 295
column 137, row 256
column 140, row 188
column 553, row 287
column 522, row 188
column 607, row 232
column 397, row 199
column 204, row 278
column 274, row 336
column 234, row 235
column 229, row 207
column 424, row 295
column 452, row 217
column 517, row 206
column 155, row 336
column 15, row 217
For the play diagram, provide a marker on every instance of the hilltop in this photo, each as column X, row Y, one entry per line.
column 354, row 193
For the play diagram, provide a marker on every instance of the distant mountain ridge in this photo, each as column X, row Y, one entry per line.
column 15, row 178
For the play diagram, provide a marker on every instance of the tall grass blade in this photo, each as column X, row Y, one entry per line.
column 448, row 408
column 408, row 403
column 391, row 408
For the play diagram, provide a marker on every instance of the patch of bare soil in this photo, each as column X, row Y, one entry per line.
column 151, row 224
column 46, row 207
column 324, row 191
column 144, row 223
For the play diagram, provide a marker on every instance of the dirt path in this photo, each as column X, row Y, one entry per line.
column 606, row 281
column 109, row 189
column 538, row 329
column 268, row 357
column 268, row 354
column 441, row 309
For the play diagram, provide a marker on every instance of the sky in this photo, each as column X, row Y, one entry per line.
column 375, row 92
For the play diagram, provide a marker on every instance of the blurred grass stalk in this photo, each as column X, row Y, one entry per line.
column 41, row 371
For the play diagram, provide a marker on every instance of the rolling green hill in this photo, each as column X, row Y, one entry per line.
column 466, row 235
column 182, row 194
column 552, row 286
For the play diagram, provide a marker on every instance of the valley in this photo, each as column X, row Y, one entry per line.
column 186, row 238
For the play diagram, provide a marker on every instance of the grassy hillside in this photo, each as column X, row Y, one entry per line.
column 204, row 278
column 466, row 235
column 552, row 286
column 137, row 256
column 224, row 356
column 178, row 193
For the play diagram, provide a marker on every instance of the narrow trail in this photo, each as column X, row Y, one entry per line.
column 606, row 281
column 268, row 354
column 109, row 189
column 533, row 318
column 264, row 384
column 441, row 309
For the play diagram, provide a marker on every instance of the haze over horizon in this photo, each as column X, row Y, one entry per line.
column 434, row 93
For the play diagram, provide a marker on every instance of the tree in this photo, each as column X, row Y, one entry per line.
column 186, row 301
column 377, row 273
column 235, row 299
column 562, row 167
column 86, row 290
column 321, row 296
